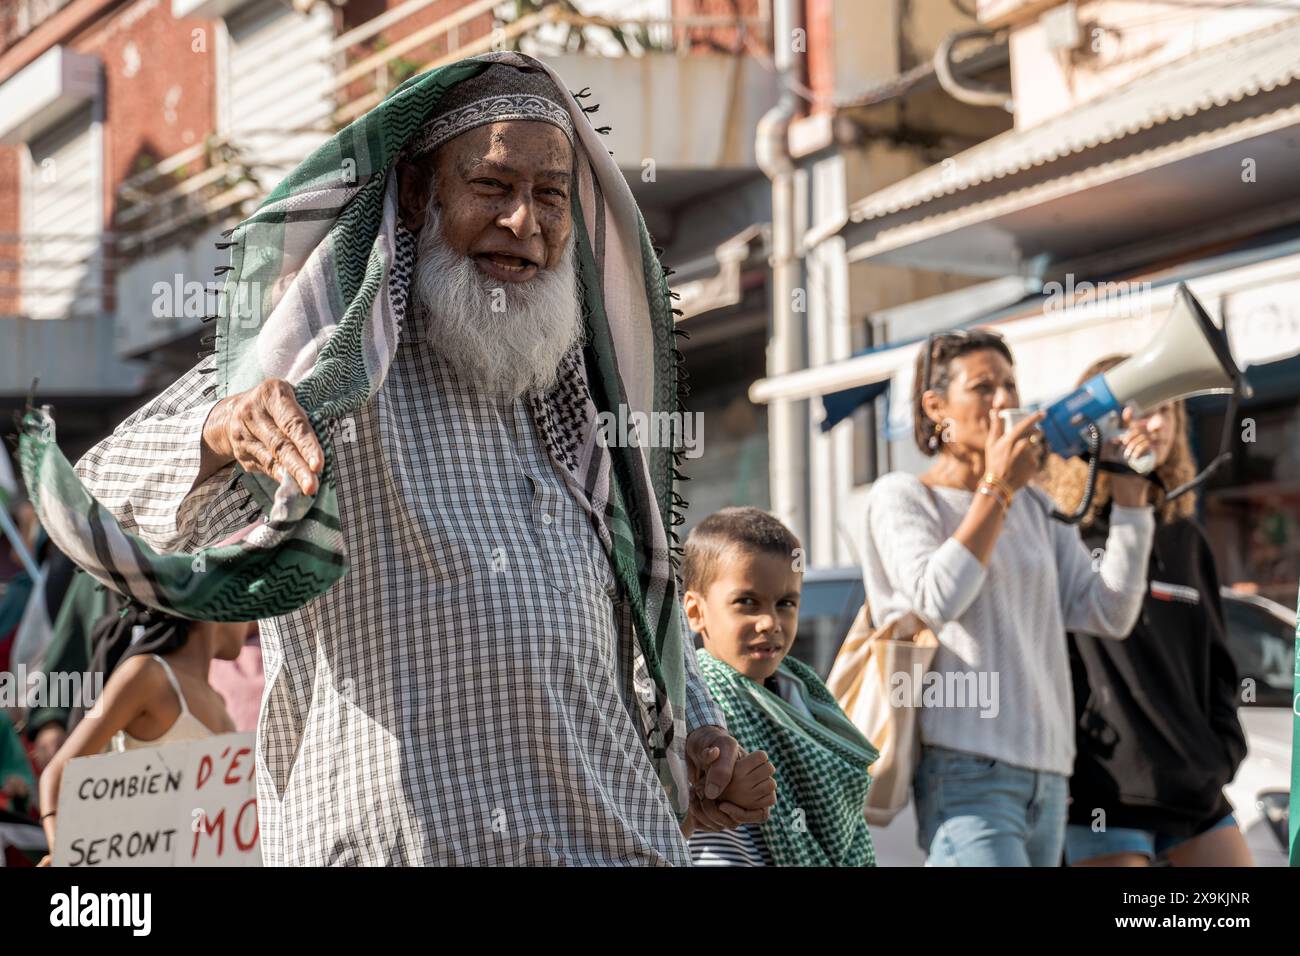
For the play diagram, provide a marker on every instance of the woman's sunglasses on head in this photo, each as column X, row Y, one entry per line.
column 959, row 335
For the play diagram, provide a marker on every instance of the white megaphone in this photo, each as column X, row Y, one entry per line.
column 1188, row 356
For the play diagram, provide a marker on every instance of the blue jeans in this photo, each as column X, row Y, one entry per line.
column 977, row 811
column 1085, row 843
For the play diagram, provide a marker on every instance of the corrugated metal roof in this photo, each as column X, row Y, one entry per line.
column 1239, row 68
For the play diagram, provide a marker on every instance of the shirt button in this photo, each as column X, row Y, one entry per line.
column 546, row 518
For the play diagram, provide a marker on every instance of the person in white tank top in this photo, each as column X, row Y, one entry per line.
column 186, row 727
column 158, row 693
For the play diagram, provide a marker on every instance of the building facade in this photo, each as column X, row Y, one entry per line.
column 134, row 132
column 1141, row 145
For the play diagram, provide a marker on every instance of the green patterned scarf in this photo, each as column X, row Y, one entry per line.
column 821, row 764
column 318, row 255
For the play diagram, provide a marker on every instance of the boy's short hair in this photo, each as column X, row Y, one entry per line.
column 745, row 529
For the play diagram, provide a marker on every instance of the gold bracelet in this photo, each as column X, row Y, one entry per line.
column 993, row 479
column 996, row 495
column 1009, row 497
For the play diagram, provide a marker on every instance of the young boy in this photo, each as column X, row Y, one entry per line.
column 742, row 598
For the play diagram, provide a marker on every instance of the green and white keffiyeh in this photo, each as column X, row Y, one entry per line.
column 821, row 764
column 318, row 255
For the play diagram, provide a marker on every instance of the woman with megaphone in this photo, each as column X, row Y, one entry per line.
column 1157, row 732
column 969, row 550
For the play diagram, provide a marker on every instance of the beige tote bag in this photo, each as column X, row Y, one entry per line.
column 861, row 683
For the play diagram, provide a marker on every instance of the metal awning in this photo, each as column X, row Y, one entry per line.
column 910, row 323
column 205, row 9
column 1108, row 173
column 1047, row 331
column 46, row 91
column 840, row 405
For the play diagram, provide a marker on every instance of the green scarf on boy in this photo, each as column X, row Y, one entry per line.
column 821, row 764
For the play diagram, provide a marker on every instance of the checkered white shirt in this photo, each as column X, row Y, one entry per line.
column 464, row 694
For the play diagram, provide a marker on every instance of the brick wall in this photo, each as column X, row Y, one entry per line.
column 158, row 98
column 715, row 39
column 159, row 86
column 9, row 201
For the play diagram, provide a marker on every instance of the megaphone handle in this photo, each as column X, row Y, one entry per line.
column 1122, row 468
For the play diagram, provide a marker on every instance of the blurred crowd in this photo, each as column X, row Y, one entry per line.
column 68, row 647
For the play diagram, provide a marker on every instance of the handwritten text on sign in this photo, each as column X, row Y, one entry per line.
column 185, row 804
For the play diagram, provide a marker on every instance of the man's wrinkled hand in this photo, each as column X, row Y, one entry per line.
column 712, row 755
column 266, row 431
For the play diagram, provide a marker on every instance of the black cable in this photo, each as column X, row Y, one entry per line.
column 1090, row 487
column 1225, row 454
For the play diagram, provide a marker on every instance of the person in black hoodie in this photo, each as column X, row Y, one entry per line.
column 1157, row 732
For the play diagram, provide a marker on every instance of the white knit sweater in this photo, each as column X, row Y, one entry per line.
column 1003, row 625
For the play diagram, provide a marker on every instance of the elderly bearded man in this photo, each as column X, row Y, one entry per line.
column 500, row 676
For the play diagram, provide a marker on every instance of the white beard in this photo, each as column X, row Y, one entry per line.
column 503, row 338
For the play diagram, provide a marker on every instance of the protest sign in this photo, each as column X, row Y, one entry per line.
column 184, row 804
